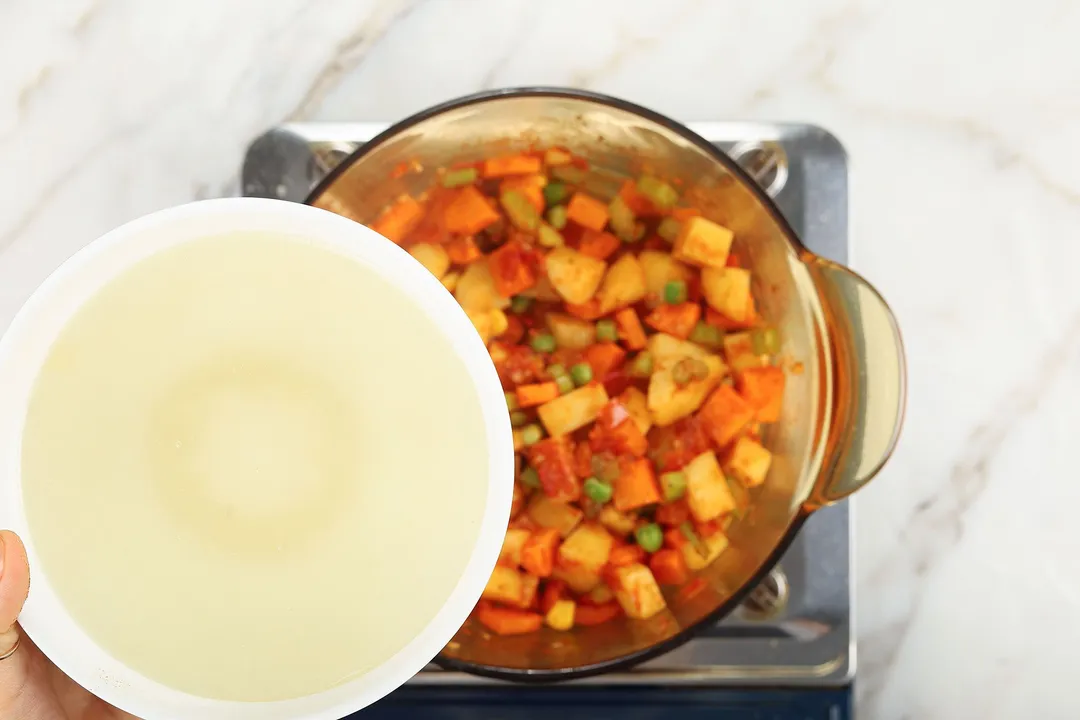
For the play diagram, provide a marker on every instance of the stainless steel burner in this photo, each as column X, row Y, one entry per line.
column 796, row 629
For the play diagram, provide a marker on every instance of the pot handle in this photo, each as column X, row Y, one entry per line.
column 869, row 380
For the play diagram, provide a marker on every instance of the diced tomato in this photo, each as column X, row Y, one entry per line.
column 678, row 320
column 604, row 357
column 463, row 250
column 554, row 463
column 515, row 331
column 538, row 553
column 505, row 621
column 616, row 432
column 674, row 538
column 583, row 456
column 589, row 615
column 616, row 382
column 673, row 514
column 520, row 365
column 676, row 445
column 513, row 268
column 733, row 260
column 669, row 567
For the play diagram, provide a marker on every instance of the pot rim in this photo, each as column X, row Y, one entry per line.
column 548, row 675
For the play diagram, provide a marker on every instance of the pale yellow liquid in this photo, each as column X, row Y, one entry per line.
column 253, row 470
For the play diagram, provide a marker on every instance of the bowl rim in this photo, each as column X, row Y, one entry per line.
column 547, row 675
column 25, row 344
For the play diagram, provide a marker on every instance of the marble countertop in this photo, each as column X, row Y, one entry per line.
column 965, row 149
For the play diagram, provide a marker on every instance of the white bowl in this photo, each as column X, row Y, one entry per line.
column 26, row 344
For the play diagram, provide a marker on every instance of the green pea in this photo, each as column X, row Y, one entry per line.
column 519, row 418
column 555, row 193
column 642, row 366
column 606, row 331
column 708, row 335
column 457, row 178
column 511, row 400
column 675, row 292
column 543, row 342
column 565, row 383
column 650, row 537
column 673, row 485
column 581, row 373
column 668, row 229
column 530, row 478
column 597, row 490
column 556, row 370
column 531, row 434
column 520, row 304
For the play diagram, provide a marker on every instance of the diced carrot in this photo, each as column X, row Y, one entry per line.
column 515, row 331
column 588, row 615
column 673, row 514
column 604, row 357
column 630, row 330
column 531, row 186
column 716, row 319
column 554, row 590
column 678, row 320
column 674, row 538
column 538, row 553
column 669, row 567
column 763, row 388
column 583, row 455
column 505, row 621
column 616, row 432
column 554, row 463
column 536, row 394
column 503, row 165
column 684, row 213
column 639, row 204
column 469, row 213
column 626, row 555
column 463, row 250
column 725, row 414
column 513, row 268
column 587, row 211
column 599, row 245
column 398, row 220
column 588, row 310
column 636, row 485
column 432, row 227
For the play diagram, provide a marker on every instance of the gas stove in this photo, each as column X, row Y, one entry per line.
column 789, row 651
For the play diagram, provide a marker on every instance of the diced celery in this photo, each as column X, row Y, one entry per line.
column 555, row 193
column 458, row 178
column 661, row 194
column 520, row 304
column 606, row 331
column 668, row 229
column 707, row 335
column 557, row 217
column 549, row 237
column 765, row 341
column 642, row 365
column 520, row 210
column 623, row 222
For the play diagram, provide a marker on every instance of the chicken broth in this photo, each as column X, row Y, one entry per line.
column 244, row 474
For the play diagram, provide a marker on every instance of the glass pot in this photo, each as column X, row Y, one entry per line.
column 843, row 402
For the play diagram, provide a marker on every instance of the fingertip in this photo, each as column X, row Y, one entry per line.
column 14, row 578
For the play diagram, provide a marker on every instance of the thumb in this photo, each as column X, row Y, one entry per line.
column 14, row 587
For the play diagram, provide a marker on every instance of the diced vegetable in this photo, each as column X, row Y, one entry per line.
column 763, row 388
column 469, row 213
column 636, row 404
column 519, row 418
column 603, row 358
column 570, row 332
column 554, row 461
column 476, row 292
column 511, row 165
column 606, row 331
column 561, row 615
column 669, row 229
column 530, row 478
column 616, row 432
column 748, row 462
column 673, row 485
column 511, row 587
column 765, row 341
column 599, row 245
column 676, row 320
column 513, row 268
column 707, row 491
column 707, row 549
column 597, row 490
column 546, row 512
column 703, row 243
column 667, row 399
column 463, row 250
column 510, row 554
column 543, row 342
column 739, row 352
column 565, row 383
column 572, row 411
column 557, row 217
column 615, row 521
column 450, row 281
column 625, row 555
column 707, row 336
column 555, row 193
column 675, row 293
column 588, row 547
column 688, row 370
column 520, row 303
column 630, row 330
column 504, row 621
column 579, row 579
column 725, row 414
column 531, row 434
column 549, row 237
column 642, row 365
column 522, row 213
column 674, row 513
column 636, row 486
column 531, row 186
column 398, row 220
column 727, row 290
column 587, row 211
column 637, row 591
column 660, row 269
column 660, row 193
column 623, row 223
column 536, row 394
column 557, row 156
column 581, row 373
column 650, row 537
column 570, row 174
column 432, row 257
column 623, row 285
column 574, row 276
column 669, row 567
column 457, row 178
column 538, row 552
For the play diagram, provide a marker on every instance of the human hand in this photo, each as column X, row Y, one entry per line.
column 31, row 687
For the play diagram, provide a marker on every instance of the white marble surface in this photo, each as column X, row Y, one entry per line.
column 963, row 124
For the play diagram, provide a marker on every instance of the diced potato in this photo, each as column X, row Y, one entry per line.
column 561, row 615
column 433, row 257
column 549, row 513
column 475, row 290
column 667, row 401
column 739, row 352
column 570, row 332
column 727, row 291
column 637, row 591
column 702, row 242
column 482, row 321
column 542, row 291
column 748, row 462
column 601, row 594
column 615, row 521
column 572, row 411
column 574, row 276
column 588, row 547
column 511, row 587
column 515, row 538
column 660, row 269
column 577, row 578
column 450, row 281
column 636, row 404
column 707, row 491
column 623, row 285
column 714, row 544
